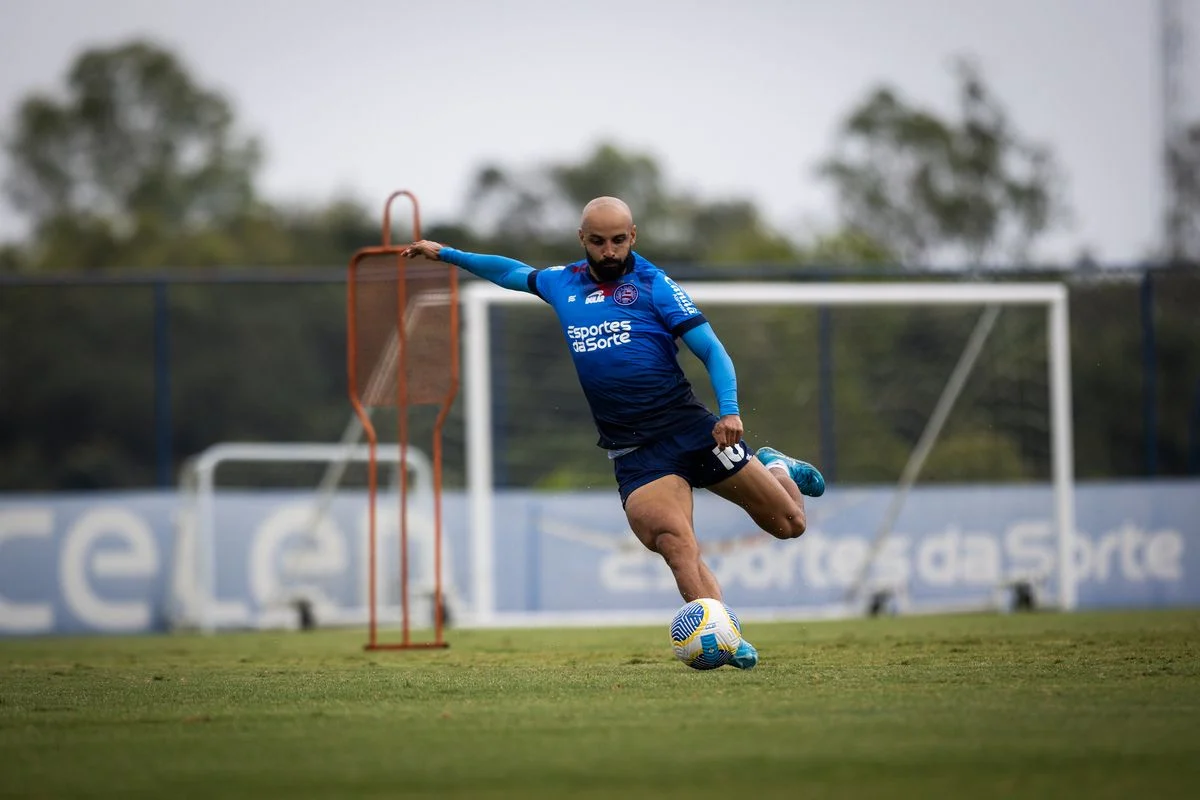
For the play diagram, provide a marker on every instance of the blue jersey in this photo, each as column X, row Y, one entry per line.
column 622, row 338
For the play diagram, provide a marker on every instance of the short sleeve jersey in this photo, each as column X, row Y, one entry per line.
column 622, row 338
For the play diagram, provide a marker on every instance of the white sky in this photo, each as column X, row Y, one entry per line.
column 359, row 97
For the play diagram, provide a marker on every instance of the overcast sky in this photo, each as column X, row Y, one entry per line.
column 358, row 97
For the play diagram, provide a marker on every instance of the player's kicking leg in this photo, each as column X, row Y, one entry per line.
column 660, row 515
column 771, row 491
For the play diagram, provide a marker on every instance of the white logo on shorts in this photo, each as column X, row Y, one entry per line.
column 730, row 455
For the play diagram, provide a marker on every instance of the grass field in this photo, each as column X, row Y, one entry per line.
column 1034, row 705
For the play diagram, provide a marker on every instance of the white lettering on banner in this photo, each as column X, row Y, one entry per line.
column 25, row 523
column 80, row 563
column 936, row 559
column 1031, row 548
column 893, row 565
column 952, row 557
column 981, row 564
column 753, row 568
column 627, row 572
column 421, row 552
column 948, row 558
column 1164, row 556
column 316, row 552
column 1131, row 554
column 1096, row 560
column 814, row 576
column 633, row 571
column 99, row 566
column 846, row 558
column 1131, row 540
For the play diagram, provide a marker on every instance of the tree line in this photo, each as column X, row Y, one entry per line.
column 135, row 166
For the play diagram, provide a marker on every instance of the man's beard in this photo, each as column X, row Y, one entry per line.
column 608, row 269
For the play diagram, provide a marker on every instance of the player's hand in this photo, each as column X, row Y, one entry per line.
column 728, row 430
column 424, row 248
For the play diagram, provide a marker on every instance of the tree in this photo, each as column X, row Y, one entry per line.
column 12, row 259
column 137, row 152
column 848, row 247
column 636, row 178
column 930, row 189
column 532, row 214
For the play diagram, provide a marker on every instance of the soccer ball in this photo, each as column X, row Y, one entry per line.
column 705, row 634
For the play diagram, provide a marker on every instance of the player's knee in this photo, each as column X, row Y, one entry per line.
column 789, row 524
column 797, row 524
column 675, row 548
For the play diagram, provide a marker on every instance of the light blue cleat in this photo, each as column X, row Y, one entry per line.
column 745, row 657
column 807, row 477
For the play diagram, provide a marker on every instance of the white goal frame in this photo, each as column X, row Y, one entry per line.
column 478, row 298
column 193, row 600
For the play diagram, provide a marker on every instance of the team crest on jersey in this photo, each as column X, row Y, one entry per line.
column 626, row 294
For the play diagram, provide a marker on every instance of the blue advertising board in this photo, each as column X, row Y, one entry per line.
column 115, row 562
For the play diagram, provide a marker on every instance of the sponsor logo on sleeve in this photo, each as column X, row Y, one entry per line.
column 681, row 298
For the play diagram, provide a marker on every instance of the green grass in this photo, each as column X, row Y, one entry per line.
column 1036, row 705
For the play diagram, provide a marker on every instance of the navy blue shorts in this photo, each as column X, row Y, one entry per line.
column 691, row 454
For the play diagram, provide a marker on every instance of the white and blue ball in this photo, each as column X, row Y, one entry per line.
column 705, row 634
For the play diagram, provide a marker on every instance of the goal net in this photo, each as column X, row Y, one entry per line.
column 939, row 413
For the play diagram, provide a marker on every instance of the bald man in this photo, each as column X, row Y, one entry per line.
column 621, row 316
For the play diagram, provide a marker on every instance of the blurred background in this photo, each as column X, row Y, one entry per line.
column 183, row 187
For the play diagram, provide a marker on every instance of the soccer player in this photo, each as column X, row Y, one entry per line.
column 621, row 316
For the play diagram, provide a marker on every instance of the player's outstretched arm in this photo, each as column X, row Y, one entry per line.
column 502, row 271
column 702, row 340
